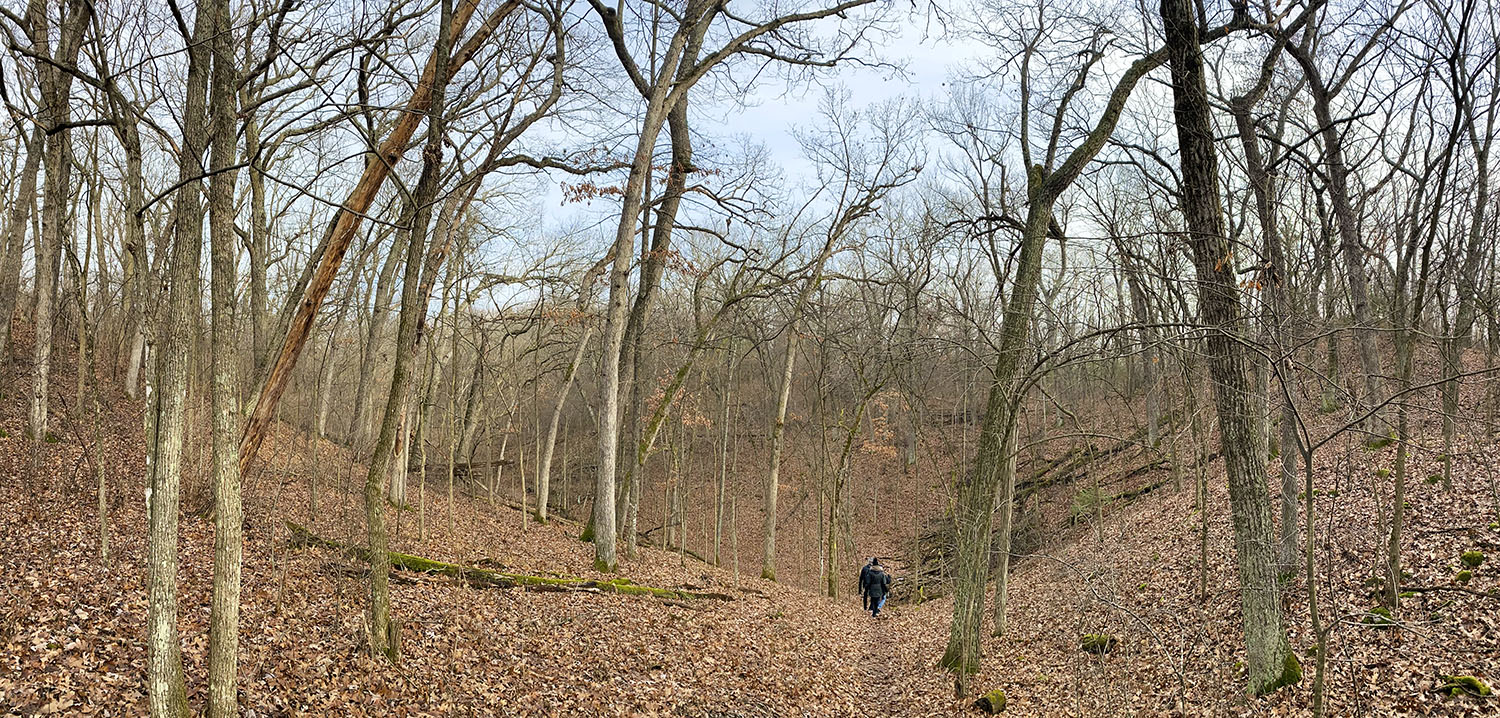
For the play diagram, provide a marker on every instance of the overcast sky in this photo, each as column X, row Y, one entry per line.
column 918, row 46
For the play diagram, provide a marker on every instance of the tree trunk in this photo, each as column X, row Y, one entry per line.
column 544, row 467
column 346, row 222
column 1277, row 320
column 58, row 161
column 723, row 473
column 385, row 289
column 1350, row 246
column 1005, row 509
column 1269, row 658
column 164, row 681
column 224, row 617
column 384, row 633
column 15, row 235
column 260, row 246
column 977, row 487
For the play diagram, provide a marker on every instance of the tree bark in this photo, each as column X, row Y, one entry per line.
column 977, row 487
column 164, row 680
column 384, row 634
column 544, row 468
column 1350, row 245
column 224, row 616
column 15, row 235
column 1274, row 284
column 58, row 161
column 1268, row 655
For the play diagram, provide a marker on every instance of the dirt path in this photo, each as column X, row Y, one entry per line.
column 877, row 669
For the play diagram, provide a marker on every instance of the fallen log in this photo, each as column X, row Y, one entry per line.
column 489, row 578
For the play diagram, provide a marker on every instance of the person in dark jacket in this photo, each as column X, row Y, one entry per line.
column 864, row 579
column 874, row 586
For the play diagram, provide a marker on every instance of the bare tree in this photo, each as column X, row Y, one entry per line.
column 1271, row 663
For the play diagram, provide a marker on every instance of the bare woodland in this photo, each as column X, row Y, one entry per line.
column 567, row 357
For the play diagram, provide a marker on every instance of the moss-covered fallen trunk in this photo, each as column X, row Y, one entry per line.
column 489, row 578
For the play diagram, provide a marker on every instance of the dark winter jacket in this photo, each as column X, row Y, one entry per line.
column 874, row 582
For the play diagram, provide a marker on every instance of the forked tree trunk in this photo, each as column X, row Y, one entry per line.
column 1269, row 659
column 55, row 115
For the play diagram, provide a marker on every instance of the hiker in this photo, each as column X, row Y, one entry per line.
column 874, row 585
column 864, row 579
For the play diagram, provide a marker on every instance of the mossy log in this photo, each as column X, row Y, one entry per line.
column 992, row 702
column 1459, row 685
column 489, row 578
column 1098, row 643
column 1379, row 617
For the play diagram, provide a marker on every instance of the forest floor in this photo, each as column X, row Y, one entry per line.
column 72, row 626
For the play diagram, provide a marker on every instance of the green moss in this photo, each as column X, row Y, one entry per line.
column 51, row 438
column 1333, row 493
column 1433, row 478
column 3, row 434
column 1097, row 643
column 1378, row 443
column 1460, row 685
column 1472, row 559
column 1087, row 502
column 1493, row 525
column 1463, row 576
column 1291, row 672
column 1379, row 617
column 1328, row 406
column 954, row 660
column 992, row 702
column 603, row 567
column 1383, row 473
column 502, row 579
column 1406, row 594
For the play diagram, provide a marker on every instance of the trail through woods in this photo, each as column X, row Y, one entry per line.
column 72, row 639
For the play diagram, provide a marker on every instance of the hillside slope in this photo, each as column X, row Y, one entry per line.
column 72, row 643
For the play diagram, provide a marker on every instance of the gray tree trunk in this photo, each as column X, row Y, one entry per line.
column 15, row 235
column 1268, row 654
column 224, row 615
column 544, row 467
column 165, row 689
